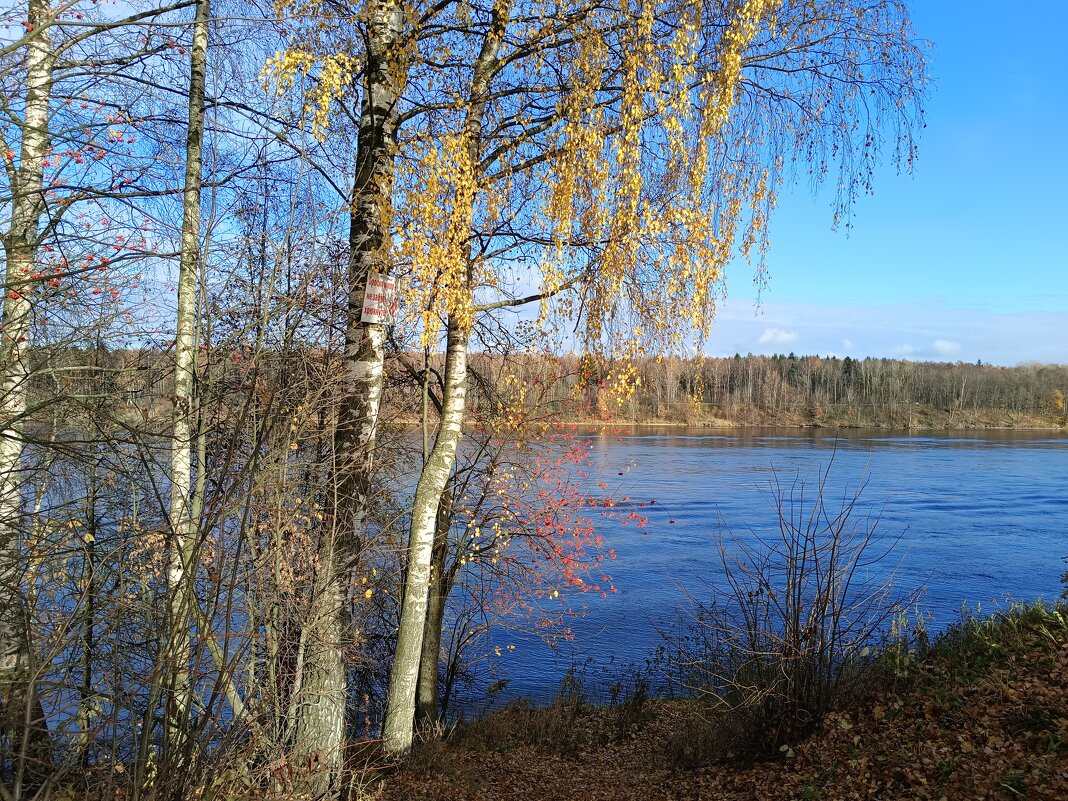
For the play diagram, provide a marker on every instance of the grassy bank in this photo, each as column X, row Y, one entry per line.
column 981, row 714
column 919, row 418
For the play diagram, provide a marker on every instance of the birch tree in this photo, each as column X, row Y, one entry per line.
column 457, row 263
column 659, row 169
column 610, row 160
column 23, row 715
column 182, row 547
column 66, row 141
column 362, row 51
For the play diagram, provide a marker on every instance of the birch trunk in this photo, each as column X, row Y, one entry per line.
column 21, row 711
column 320, row 711
column 426, row 703
column 181, row 557
column 404, row 672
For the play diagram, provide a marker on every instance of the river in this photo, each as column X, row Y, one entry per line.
column 980, row 517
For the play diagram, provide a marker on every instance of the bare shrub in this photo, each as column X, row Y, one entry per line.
column 555, row 727
column 793, row 626
column 630, row 705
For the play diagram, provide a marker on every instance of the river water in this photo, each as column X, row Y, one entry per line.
column 980, row 518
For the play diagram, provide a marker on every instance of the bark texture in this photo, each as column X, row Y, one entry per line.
column 404, row 672
column 426, row 702
column 21, row 711
column 181, row 556
column 320, row 714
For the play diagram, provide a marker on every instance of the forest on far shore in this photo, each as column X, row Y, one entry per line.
column 782, row 389
column 831, row 391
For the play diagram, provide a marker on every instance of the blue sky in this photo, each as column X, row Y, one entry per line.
column 967, row 258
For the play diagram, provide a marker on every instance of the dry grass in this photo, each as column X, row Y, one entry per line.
column 982, row 716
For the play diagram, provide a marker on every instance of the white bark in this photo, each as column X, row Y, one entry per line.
column 320, row 711
column 426, row 702
column 181, row 565
column 21, row 707
column 404, row 672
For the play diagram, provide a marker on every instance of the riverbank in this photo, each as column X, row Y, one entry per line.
column 984, row 715
column 920, row 418
column 890, row 418
column 719, row 424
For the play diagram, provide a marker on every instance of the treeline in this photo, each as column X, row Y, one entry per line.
column 745, row 390
column 807, row 390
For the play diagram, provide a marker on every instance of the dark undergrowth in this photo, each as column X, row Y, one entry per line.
column 980, row 713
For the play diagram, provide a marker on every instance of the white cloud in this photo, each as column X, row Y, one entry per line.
column 777, row 336
column 847, row 343
column 901, row 330
column 945, row 347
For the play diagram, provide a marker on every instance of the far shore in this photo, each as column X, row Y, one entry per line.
column 721, row 424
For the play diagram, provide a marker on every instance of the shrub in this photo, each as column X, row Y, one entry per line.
column 629, row 704
column 572, row 723
column 521, row 723
column 694, row 739
column 792, row 630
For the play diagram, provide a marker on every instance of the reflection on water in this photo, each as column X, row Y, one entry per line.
column 982, row 517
